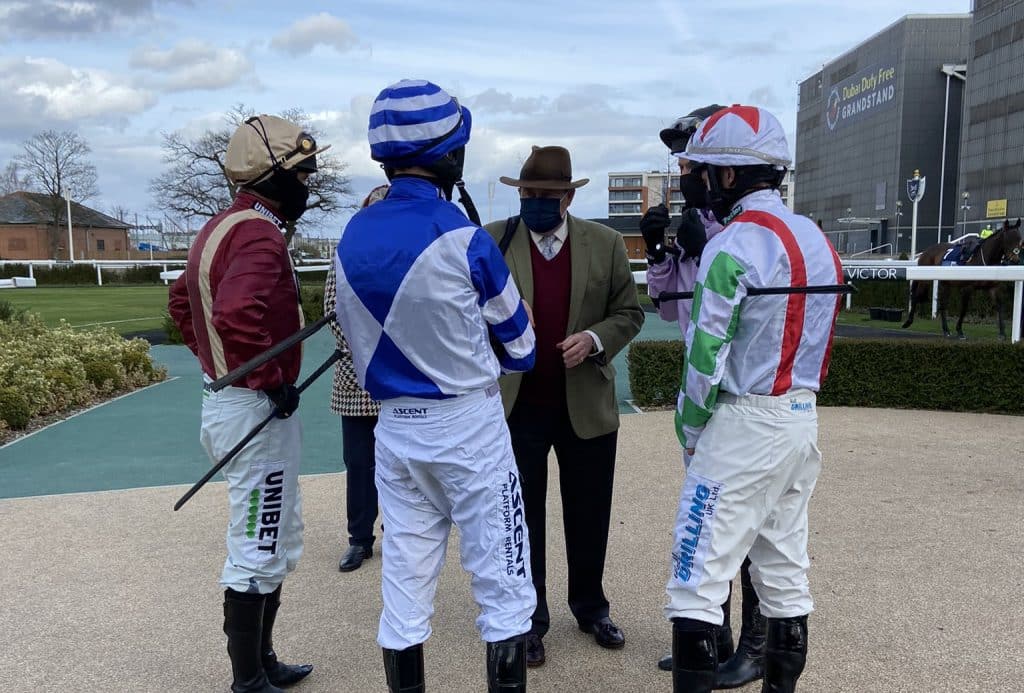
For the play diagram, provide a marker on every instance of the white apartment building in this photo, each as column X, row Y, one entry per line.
column 632, row 193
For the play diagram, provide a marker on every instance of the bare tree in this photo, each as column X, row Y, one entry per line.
column 57, row 162
column 195, row 184
column 12, row 179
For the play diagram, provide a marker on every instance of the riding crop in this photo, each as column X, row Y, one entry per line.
column 771, row 291
column 252, row 434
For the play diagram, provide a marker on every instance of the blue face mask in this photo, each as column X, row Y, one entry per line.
column 541, row 214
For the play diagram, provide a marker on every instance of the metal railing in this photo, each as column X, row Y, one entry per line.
column 100, row 265
column 871, row 250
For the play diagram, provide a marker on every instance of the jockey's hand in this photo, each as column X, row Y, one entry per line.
column 285, row 399
column 692, row 236
column 652, row 228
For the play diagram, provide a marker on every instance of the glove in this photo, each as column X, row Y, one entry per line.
column 652, row 228
column 692, row 236
column 285, row 399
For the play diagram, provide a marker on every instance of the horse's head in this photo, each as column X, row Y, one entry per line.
column 1011, row 242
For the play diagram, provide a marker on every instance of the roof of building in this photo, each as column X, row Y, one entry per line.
column 34, row 208
column 627, row 226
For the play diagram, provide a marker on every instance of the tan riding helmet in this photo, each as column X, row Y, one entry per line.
column 265, row 142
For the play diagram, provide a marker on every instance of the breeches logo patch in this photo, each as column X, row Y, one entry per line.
column 264, row 521
column 694, row 528
column 513, row 542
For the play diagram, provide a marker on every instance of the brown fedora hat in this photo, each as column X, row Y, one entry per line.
column 547, row 168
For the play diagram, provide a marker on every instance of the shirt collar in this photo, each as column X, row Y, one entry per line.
column 560, row 233
column 248, row 201
column 411, row 186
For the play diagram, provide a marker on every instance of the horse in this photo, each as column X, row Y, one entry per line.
column 1001, row 248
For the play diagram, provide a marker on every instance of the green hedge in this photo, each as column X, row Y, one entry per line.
column 52, row 370
column 75, row 275
column 897, row 374
column 312, row 303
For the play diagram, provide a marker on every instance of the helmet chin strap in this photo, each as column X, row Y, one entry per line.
column 467, row 202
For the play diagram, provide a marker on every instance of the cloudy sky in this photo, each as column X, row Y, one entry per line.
column 600, row 77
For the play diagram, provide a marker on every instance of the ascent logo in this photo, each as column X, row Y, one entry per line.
column 513, row 545
column 265, row 516
column 695, row 528
column 409, row 412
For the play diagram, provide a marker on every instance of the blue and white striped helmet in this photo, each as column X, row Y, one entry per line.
column 415, row 123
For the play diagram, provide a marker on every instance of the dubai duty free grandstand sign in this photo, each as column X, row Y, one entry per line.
column 866, row 92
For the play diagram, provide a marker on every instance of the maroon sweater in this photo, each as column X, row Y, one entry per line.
column 544, row 386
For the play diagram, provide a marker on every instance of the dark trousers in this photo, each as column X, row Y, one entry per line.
column 586, row 470
column 357, row 443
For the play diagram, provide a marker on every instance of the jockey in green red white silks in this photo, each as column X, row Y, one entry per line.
column 746, row 413
column 779, row 342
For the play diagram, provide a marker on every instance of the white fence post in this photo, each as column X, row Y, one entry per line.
column 99, row 276
column 165, row 269
column 935, row 299
column 1018, row 298
column 30, row 274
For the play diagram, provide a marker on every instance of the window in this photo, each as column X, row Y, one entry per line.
column 624, row 208
column 629, row 195
column 624, row 183
column 101, row 245
column 17, row 244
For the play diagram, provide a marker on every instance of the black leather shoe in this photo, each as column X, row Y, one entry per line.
column 665, row 663
column 354, row 558
column 534, row 650
column 605, row 633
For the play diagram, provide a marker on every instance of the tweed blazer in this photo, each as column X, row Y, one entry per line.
column 603, row 299
column 347, row 398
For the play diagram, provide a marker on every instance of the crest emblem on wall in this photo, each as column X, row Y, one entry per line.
column 832, row 112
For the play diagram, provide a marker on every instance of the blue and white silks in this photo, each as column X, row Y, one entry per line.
column 420, row 292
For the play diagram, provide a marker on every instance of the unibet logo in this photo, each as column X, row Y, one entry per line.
column 254, row 511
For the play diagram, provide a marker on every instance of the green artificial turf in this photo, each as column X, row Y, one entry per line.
column 124, row 308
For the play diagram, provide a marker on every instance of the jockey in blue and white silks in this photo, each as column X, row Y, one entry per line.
column 418, row 288
column 433, row 318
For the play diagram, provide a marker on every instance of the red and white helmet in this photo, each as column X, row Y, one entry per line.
column 740, row 136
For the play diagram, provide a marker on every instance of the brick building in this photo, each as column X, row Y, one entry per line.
column 27, row 231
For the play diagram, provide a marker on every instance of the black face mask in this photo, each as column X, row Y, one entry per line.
column 720, row 200
column 541, row 214
column 448, row 170
column 695, row 193
column 286, row 190
column 294, row 196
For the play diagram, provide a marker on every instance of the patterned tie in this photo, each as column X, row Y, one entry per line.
column 547, row 246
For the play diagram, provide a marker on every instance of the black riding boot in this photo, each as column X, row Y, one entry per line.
column 278, row 673
column 506, row 666
column 404, row 669
column 243, row 620
column 723, row 636
column 785, row 654
column 693, row 656
column 748, row 663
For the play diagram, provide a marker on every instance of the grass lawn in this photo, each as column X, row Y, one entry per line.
column 125, row 308
column 927, row 325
